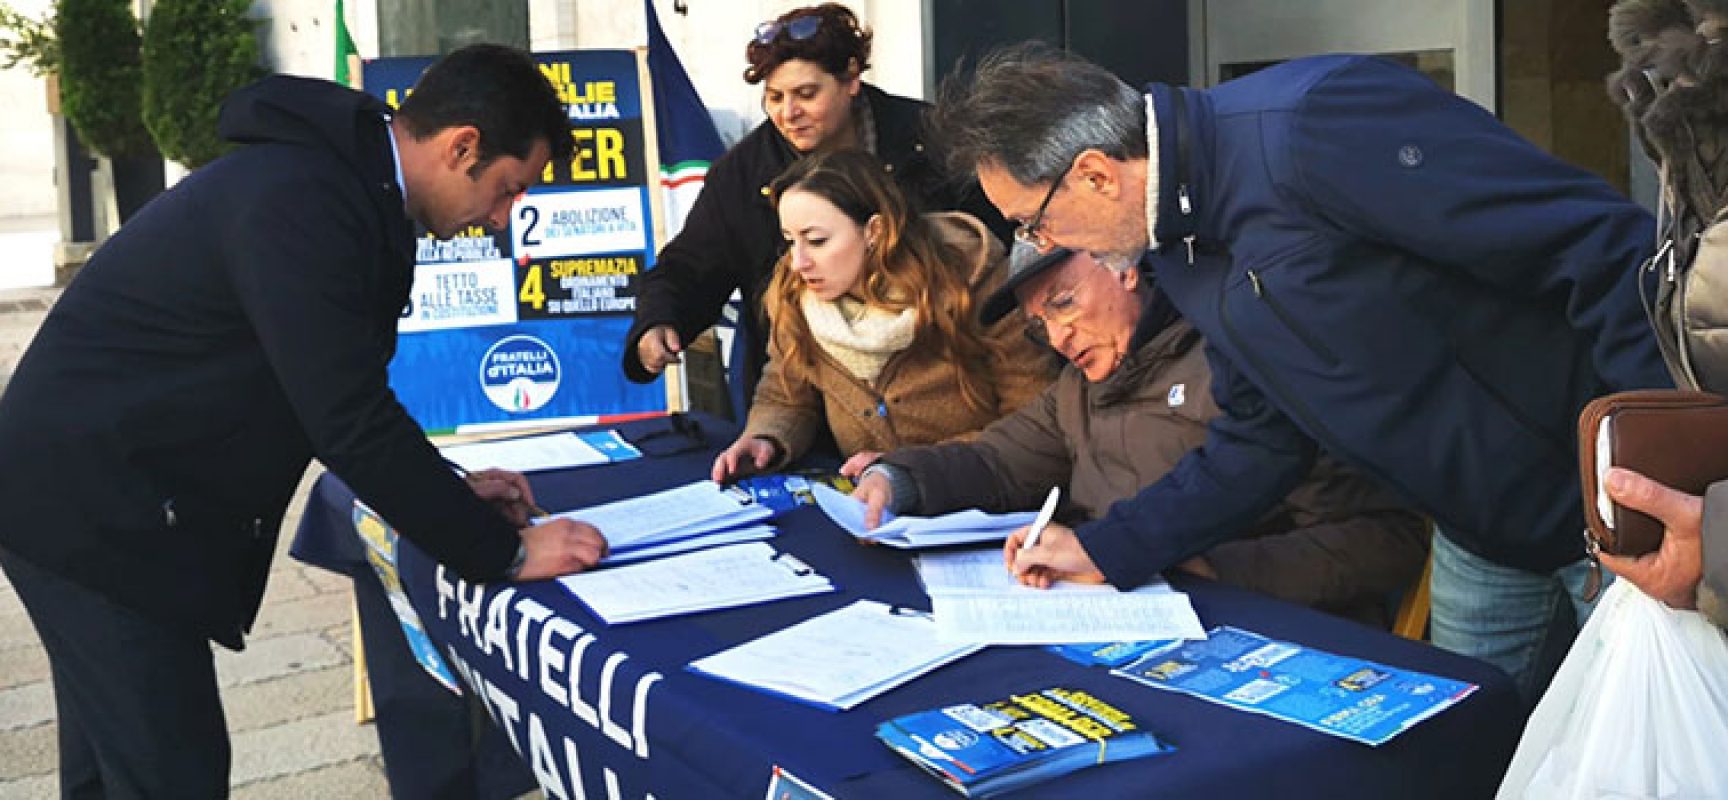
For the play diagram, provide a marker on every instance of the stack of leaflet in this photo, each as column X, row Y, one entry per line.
column 840, row 659
column 975, row 599
column 677, row 520
column 706, row 580
column 985, row 750
column 909, row 532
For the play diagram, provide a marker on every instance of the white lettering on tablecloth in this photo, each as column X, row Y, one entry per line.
column 490, row 625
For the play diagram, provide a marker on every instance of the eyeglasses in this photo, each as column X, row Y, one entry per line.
column 797, row 29
column 681, row 435
column 1062, row 308
column 1028, row 231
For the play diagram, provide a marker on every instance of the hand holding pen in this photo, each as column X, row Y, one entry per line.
column 507, row 491
column 550, row 546
column 1045, row 552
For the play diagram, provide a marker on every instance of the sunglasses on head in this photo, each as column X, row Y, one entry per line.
column 797, row 29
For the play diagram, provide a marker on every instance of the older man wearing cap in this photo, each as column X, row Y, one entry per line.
column 1131, row 403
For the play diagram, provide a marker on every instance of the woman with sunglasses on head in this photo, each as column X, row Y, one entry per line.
column 808, row 61
column 874, row 327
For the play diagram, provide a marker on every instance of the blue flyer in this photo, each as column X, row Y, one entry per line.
column 380, row 540
column 785, row 491
column 1346, row 697
column 1107, row 654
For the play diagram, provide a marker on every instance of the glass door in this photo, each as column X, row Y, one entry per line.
column 1452, row 41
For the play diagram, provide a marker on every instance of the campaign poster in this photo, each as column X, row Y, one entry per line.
column 522, row 327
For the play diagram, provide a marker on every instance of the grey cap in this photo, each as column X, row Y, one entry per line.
column 1023, row 265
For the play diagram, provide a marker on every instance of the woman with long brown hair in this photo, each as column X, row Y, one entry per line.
column 874, row 323
column 810, row 63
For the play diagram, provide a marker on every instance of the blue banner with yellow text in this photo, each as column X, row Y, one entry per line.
column 522, row 326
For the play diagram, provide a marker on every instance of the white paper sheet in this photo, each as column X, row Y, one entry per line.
column 1065, row 617
column 982, row 572
column 527, row 454
column 838, row 659
column 722, row 577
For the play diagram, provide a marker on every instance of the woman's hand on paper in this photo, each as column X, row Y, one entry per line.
column 1671, row 573
column 559, row 547
column 1057, row 556
column 875, row 493
column 748, row 455
column 507, row 491
column 859, row 462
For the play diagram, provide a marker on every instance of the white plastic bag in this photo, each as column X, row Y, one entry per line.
column 1639, row 709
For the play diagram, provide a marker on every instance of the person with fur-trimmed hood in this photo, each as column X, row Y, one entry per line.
column 1673, row 85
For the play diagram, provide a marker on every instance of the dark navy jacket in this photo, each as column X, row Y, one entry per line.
column 1382, row 268
column 236, row 327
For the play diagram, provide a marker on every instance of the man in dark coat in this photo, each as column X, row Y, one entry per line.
column 241, row 324
column 1380, row 269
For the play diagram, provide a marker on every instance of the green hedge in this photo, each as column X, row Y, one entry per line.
column 195, row 53
column 99, row 76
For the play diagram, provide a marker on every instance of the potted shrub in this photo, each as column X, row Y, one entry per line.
column 195, row 53
column 29, row 43
column 99, row 75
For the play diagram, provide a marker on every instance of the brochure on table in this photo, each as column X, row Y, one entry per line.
column 1346, row 697
column 986, row 749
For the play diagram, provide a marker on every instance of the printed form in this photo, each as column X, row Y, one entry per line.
column 721, row 577
column 839, row 659
column 976, row 599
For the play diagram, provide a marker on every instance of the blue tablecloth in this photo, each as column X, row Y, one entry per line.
column 614, row 706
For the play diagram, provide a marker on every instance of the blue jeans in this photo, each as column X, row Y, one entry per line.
column 1518, row 621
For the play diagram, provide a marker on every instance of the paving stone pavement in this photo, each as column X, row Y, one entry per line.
column 288, row 697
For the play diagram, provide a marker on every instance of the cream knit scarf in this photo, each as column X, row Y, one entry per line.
column 860, row 337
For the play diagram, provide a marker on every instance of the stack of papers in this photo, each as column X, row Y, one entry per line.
column 839, row 659
column 701, row 541
column 975, row 599
column 988, row 749
column 549, row 451
column 705, row 580
column 910, row 532
column 680, row 519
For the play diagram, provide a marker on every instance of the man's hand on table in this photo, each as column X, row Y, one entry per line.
column 507, row 491
column 559, row 547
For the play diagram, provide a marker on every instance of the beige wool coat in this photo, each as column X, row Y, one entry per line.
column 916, row 399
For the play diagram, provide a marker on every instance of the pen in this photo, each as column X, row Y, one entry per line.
column 1043, row 519
column 534, row 510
